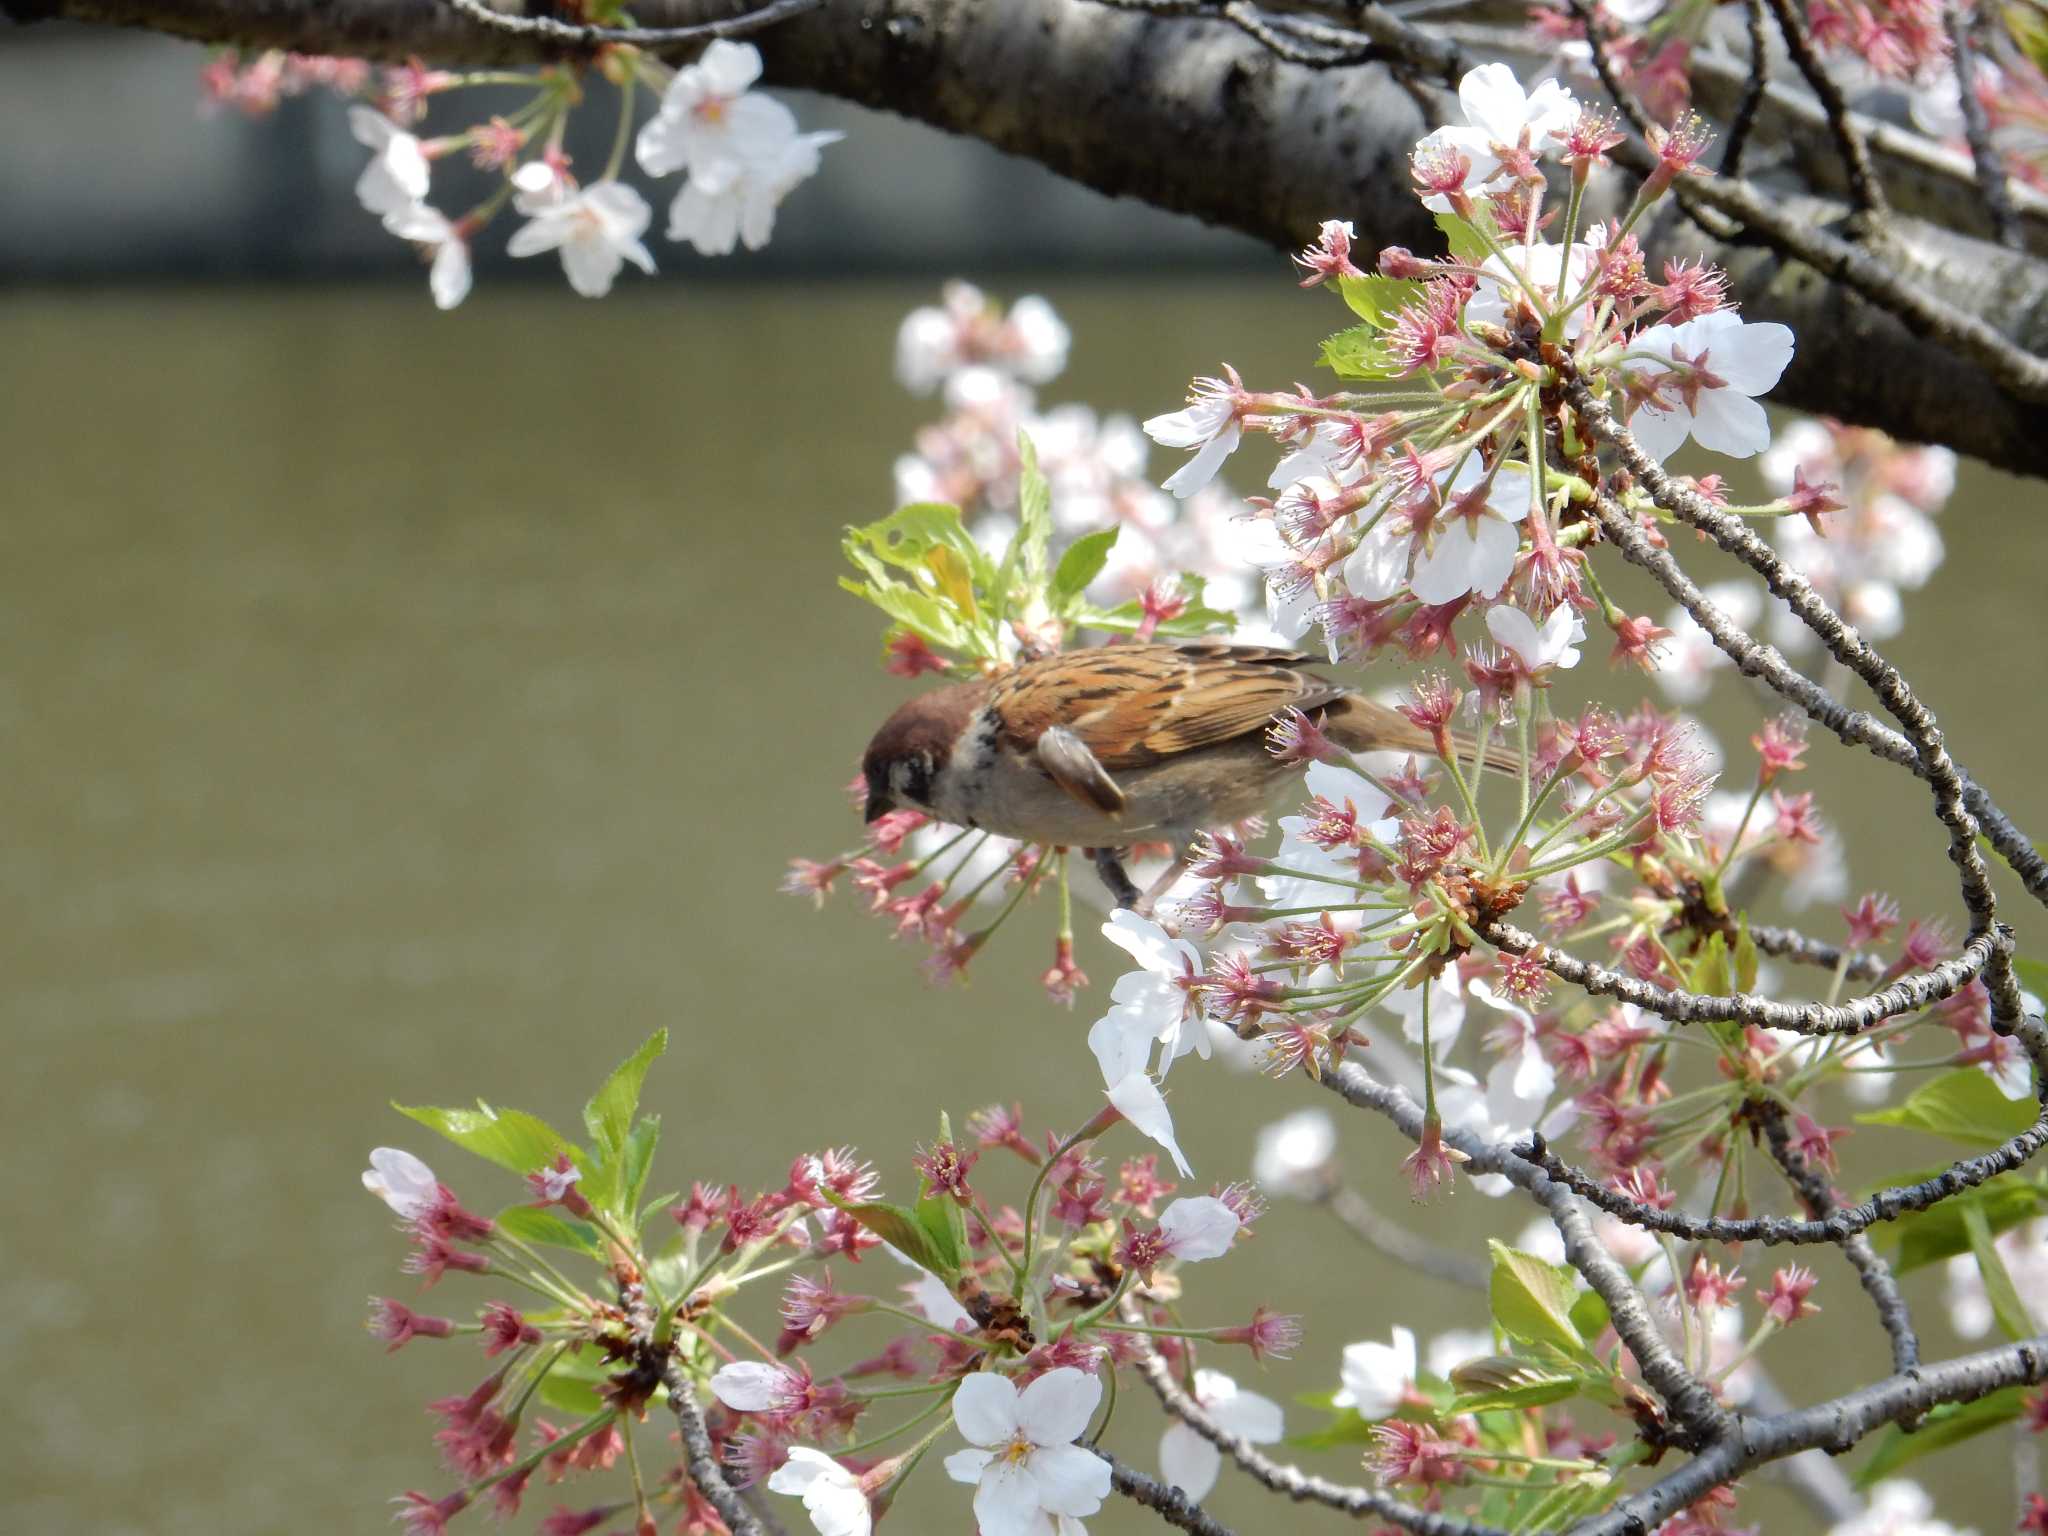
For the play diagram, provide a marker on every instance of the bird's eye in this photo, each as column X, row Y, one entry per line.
column 914, row 780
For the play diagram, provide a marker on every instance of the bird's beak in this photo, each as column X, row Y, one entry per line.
column 879, row 805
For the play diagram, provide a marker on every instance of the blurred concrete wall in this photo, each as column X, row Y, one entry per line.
column 113, row 172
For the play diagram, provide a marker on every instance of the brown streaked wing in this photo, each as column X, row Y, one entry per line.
column 1135, row 704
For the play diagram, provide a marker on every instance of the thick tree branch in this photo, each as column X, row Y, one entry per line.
column 1196, row 117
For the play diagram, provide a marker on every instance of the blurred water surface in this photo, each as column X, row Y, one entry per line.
column 419, row 707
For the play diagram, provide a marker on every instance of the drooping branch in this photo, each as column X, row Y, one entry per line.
column 1197, row 117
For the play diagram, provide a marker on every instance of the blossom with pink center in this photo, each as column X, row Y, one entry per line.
column 1211, row 424
column 504, row 1328
column 1188, row 1461
column 1702, row 377
column 1476, row 537
column 753, row 1386
column 1028, row 1474
column 596, row 230
column 711, row 120
column 1499, row 115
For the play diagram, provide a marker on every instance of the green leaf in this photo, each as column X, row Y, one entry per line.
column 1964, row 1106
column 609, row 1114
column 2006, row 1306
column 1377, row 300
column 1929, row 1236
column 1570, row 1500
column 1943, row 1427
column 1532, row 1299
column 569, row 1397
column 1746, row 962
column 1711, row 972
column 551, row 1229
column 1358, row 354
column 946, row 1227
column 1463, row 240
column 1589, row 1315
column 1504, row 1381
column 2033, row 976
column 1082, row 562
column 907, row 537
column 905, row 1231
column 636, row 1162
column 916, row 611
column 511, row 1138
column 1347, row 1428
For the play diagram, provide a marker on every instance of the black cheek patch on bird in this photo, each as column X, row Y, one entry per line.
column 1069, row 763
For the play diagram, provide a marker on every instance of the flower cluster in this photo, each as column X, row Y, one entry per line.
column 986, row 365
column 1010, row 1319
column 740, row 151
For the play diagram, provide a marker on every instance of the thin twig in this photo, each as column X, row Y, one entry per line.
column 1908, row 994
column 1163, row 1499
column 1402, row 1246
column 1752, row 92
column 1840, row 1224
column 1790, row 944
column 587, row 35
column 1864, row 186
column 1874, row 1273
column 1965, row 39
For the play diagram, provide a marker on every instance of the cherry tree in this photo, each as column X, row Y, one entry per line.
column 1525, row 959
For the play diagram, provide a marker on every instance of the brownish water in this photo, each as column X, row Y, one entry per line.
column 418, row 707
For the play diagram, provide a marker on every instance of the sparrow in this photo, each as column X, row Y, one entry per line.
column 1117, row 744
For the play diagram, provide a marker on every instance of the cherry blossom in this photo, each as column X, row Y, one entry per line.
column 402, row 1182
column 396, row 176
column 1199, row 1227
column 1705, row 374
column 734, row 203
column 448, row 278
column 1157, row 1000
column 1377, row 1377
column 1211, row 424
column 1294, row 1152
column 1476, row 537
column 1122, row 1044
column 1539, row 648
column 1540, row 265
column 1897, row 1507
column 596, row 230
column 1497, row 112
column 1190, row 1462
column 709, row 118
column 832, row 1495
column 1022, row 1459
